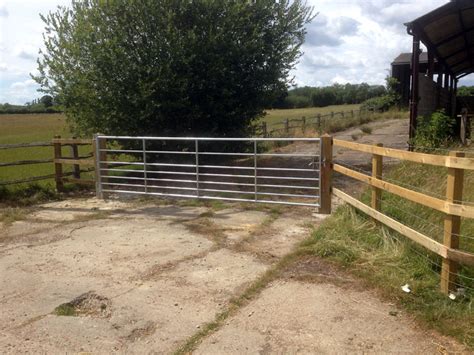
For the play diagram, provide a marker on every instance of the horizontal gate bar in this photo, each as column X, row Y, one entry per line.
column 287, row 178
column 216, row 175
column 148, row 186
column 208, row 153
column 215, row 198
column 210, row 139
column 211, row 182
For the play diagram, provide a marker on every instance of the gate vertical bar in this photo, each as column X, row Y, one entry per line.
column 145, row 175
column 325, row 171
column 255, row 166
column 98, row 178
column 196, row 148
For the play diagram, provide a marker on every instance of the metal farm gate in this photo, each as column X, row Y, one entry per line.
column 258, row 170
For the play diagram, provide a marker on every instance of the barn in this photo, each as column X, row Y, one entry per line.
column 448, row 35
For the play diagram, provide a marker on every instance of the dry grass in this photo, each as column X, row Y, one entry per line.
column 276, row 116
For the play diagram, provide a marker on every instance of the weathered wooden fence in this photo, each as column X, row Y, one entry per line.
column 4, row 164
column 57, row 159
column 318, row 122
column 74, row 159
column 452, row 206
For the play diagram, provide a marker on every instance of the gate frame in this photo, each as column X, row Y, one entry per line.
column 324, row 175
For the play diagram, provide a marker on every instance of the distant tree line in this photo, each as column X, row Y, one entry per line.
column 336, row 94
column 465, row 91
column 46, row 104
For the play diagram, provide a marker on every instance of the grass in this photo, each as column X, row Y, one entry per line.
column 12, row 214
column 65, row 309
column 277, row 116
column 387, row 260
column 26, row 195
column 332, row 125
column 27, row 128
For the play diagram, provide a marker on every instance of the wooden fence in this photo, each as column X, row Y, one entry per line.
column 57, row 159
column 74, row 159
column 452, row 206
column 319, row 122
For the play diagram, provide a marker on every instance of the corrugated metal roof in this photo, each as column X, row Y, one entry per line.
column 449, row 32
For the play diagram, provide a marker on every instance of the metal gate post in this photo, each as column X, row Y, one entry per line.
column 196, row 145
column 145, row 175
column 97, row 155
column 325, row 174
column 255, row 167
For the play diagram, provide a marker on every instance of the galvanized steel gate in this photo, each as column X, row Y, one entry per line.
column 259, row 170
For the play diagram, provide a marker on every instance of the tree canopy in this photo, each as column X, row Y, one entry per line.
column 170, row 67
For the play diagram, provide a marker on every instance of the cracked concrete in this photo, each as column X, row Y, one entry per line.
column 164, row 269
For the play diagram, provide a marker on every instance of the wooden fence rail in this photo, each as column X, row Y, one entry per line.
column 288, row 125
column 452, row 206
column 75, row 160
column 58, row 160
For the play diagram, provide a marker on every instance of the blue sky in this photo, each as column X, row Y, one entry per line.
column 350, row 41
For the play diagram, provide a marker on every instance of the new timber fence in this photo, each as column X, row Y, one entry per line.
column 452, row 206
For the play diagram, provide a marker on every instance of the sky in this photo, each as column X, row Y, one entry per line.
column 349, row 41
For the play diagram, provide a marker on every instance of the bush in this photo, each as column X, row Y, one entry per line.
column 434, row 131
column 380, row 103
column 294, row 101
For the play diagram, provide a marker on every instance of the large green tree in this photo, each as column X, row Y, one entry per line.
column 170, row 67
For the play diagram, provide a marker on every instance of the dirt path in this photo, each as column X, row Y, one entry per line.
column 86, row 275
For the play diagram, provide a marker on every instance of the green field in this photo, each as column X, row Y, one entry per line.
column 27, row 128
column 276, row 116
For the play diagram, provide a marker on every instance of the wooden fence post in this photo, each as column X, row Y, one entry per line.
column 287, row 126
column 319, row 123
column 452, row 225
column 75, row 155
column 377, row 163
column 58, row 167
column 332, row 114
column 303, row 124
column 352, row 113
column 325, row 188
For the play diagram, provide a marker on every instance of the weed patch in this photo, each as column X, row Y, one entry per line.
column 387, row 261
column 366, row 129
column 12, row 214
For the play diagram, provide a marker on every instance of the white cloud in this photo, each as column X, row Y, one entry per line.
column 3, row 11
column 357, row 40
column 349, row 41
column 23, row 85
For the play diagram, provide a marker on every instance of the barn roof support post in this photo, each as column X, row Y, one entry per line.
column 415, row 66
column 431, row 66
